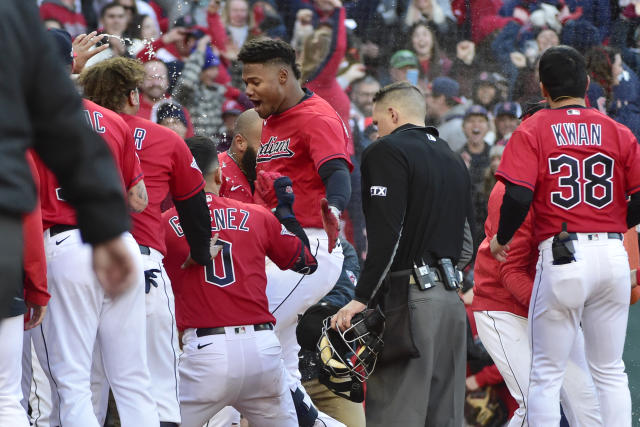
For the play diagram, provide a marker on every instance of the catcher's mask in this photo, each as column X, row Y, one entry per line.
column 348, row 357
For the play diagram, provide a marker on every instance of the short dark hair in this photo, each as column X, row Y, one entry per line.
column 563, row 72
column 204, row 152
column 383, row 92
column 263, row 50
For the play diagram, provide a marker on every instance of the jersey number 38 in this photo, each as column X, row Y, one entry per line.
column 589, row 181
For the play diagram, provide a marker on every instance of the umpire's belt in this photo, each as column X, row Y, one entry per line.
column 412, row 280
column 201, row 332
column 60, row 228
column 594, row 236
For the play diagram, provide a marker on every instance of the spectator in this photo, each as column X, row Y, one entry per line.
column 466, row 66
column 64, row 11
column 446, row 110
column 198, row 91
column 231, row 109
column 235, row 16
column 113, row 21
column 507, row 118
column 485, row 91
column 142, row 31
column 475, row 154
column 362, row 92
column 171, row 115
column 433, row 62
column 153, row 90
column 495, row 155
column 404, row 67
column 431, row 12
column 139, row 7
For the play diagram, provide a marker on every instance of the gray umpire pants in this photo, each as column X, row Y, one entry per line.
column 11, row 241
column 428, row 391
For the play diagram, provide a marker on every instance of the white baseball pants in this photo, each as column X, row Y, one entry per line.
column 241, row 368
column 11, row 335
column 593, row 292
column 36, row 390
column 80, row 313
column 504, row 335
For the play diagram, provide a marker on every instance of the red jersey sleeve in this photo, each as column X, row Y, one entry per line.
column 328, row 140
column 187, row 179
column 489, row 375
column 282, row 247
column 131, row 169
column 34, row 263
column 632, row 165
column 519, row 163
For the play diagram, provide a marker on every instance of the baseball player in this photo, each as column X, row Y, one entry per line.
column 500, row 303
column 169, row 167
column 238, row 163
column 80, row 312
column 304, row 138
column 231, row 354
column 577, row 167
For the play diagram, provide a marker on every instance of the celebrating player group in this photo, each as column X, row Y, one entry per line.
column 231, row 248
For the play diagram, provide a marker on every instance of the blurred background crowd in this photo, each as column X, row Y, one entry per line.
column 475, row 60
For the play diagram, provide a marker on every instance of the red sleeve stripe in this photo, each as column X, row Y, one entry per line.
column 135, row 180
column 515, row 181
column 191, row 193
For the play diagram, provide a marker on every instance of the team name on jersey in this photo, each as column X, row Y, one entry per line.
column 577, row 133
column 274, row 149
column 229, row 219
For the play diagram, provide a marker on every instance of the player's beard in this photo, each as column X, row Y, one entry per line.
column 248, row 163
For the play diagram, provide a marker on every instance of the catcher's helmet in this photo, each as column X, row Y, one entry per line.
column 349, row 357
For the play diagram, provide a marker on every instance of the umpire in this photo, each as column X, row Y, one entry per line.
column 416, row 199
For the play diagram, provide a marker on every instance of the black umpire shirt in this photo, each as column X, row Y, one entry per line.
column 416, row 196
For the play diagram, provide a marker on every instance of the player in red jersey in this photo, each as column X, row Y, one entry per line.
column 304, row 138
column 577, row 167
column 169, row 167
column 231, row 354
column 80, row 313
column 238, row 164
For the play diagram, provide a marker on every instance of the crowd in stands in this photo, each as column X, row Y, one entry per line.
column 475, row 60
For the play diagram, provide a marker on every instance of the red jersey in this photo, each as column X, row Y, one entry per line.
column 505, row 286
column 580, row 164
column 296, row 143
column 231, row 290
column 116, row 133
column 72, row 22
column 169, row 167
column 234, row 183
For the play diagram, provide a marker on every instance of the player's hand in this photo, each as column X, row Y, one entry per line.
column 82, row 51
column 264, row 188
column 214, row 250
column 36, row 315
column 498, row 251
column 342, row 319
column 472, row 383
column 283, row 188
column 114, row 266
column 330, row 222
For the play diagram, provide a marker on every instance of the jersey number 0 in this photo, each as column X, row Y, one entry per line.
column 221, row 274
column 596, row 172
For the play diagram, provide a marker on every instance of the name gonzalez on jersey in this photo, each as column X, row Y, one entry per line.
column 274, row 149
